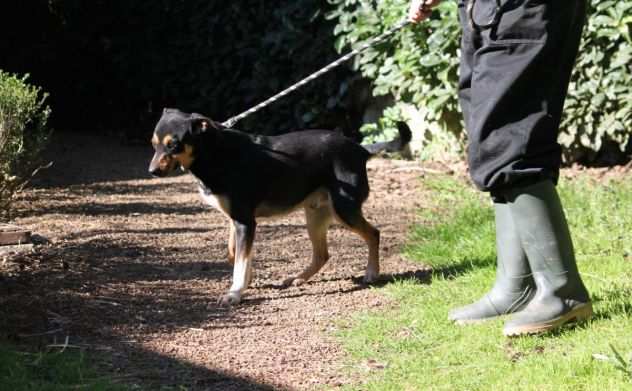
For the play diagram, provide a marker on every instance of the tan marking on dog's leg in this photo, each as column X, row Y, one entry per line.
column 231, row 244
column 318, row 220
column 242, row 269
column 371, row 236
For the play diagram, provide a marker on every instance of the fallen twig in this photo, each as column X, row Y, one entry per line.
column 106, row 302
column 40, row 334
column 65, row 345
column 109, row 298
column 422, row 169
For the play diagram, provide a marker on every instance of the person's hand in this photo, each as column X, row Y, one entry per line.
column 421, row 9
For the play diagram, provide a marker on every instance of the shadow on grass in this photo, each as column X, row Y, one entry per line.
column 425, row 276
column 57, row 369
column 463, row 267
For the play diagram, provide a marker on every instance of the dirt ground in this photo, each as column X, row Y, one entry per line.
column 130, row 267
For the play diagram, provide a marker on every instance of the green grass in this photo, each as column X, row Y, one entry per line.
column 48, row 371
column 414, row 346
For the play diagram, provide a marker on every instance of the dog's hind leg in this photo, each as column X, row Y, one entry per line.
column 371, row 236
column 318, row 220
column 348, row 210
column 242, row 269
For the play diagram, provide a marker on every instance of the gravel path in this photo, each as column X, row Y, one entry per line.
column 134, row 266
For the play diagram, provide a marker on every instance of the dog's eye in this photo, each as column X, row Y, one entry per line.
column 172, row 145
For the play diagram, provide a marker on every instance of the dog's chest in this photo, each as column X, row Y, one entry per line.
column 218, row 202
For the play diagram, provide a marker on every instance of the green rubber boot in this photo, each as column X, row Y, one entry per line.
column 560, row 293
column 513, row 287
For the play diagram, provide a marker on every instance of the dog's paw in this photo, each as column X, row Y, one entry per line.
column 293, row 281
column 229, row 299
column 370, row 277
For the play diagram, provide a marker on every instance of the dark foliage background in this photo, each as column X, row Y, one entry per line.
column 114, row 64
column 419, row 68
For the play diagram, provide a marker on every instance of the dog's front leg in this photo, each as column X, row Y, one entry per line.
column 242, row 269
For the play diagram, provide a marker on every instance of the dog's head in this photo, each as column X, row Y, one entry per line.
column 174, row 140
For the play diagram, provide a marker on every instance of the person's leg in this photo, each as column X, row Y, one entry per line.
column 513, row 287
column 519, row 75
column 470, row 41
column 561, row 295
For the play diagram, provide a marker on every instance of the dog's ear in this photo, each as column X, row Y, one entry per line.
column 199, row 125
column 202, row 124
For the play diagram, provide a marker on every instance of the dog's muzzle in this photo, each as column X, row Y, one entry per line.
column 162, row 164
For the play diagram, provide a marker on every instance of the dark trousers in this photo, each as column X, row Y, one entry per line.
column 513, row 80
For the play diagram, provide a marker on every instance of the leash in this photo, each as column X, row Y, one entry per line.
column 372, row 42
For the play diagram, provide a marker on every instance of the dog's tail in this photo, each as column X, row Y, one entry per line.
column 396, row 145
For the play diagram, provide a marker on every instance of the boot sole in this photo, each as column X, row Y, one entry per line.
column 579, row 313
column 469, row 322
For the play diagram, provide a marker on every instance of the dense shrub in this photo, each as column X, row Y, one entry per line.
column 419, row 67
column 115, row 64
column 598, row 122
column 23, row 134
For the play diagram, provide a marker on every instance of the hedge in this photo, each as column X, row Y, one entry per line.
column 113, row 65
column 23, row 135
column 420, row 68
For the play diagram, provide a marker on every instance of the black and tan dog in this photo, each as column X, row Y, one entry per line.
column 248, row 177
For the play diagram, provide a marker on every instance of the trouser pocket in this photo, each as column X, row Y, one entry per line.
column 514, row 78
